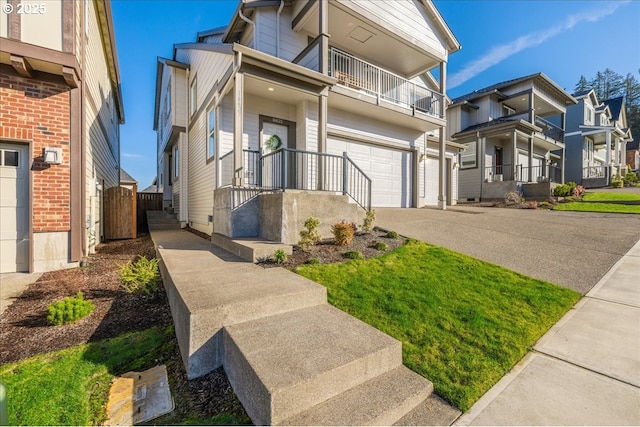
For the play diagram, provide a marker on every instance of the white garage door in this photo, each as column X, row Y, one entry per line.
column 14, row 208
column 389, row 170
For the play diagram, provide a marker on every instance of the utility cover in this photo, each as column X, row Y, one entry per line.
column 136, row 397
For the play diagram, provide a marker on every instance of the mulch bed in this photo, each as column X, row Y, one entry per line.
column 24, row 330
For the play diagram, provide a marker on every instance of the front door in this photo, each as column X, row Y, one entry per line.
column 14, row 208
column 278, row 134
column 498, row 159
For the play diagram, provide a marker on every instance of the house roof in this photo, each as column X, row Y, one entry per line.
column 212, row 32
column 615, row 106
column 581, row 93
column 105, row 20
column 125, row 178
column 153, row 188
column 495, row 88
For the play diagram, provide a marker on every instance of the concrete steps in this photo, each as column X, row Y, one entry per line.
column 382, row 400
column 283, row 365
column 162, row 220
column 252, row 249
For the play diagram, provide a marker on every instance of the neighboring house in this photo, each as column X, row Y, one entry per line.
column 511, row 131
column 254, row 118
column 596, row 140
column 128, row 181
column 59, row 130
column 633, row 155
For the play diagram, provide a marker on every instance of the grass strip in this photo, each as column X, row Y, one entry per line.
column 71, row 386
column 609, row 197
column 597, row 207
column 463, row 322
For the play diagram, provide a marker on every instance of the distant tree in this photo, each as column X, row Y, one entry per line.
column 607, row 84
column 582, row 85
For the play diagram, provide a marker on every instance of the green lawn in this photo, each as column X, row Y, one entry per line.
column 71, row 386
column 597, row 207
column 609, row 197
column 463, row 322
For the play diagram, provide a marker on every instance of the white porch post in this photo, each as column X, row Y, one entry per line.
column 442, row 164
column 530, row 159
column 238, row 129
column 532, row 119
column 514, row 155
column 616, row 154
column 608, row 155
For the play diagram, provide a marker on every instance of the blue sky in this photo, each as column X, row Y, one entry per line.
column 501, row 40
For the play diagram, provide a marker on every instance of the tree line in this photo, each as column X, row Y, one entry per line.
column 609, row 84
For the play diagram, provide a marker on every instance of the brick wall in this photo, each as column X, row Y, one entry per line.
column 38, row 111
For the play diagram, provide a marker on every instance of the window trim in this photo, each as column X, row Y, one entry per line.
column 211, row 133
column 176, row 162
column 193, row 97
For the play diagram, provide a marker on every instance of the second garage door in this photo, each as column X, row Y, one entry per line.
column 390, row 170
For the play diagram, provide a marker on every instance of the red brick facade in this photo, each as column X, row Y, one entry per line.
column 39, row 112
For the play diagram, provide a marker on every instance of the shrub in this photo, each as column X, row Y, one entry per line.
column 513, row 197
column 572, row 185
column 280, row 256
column 617, row 181
column 369, row 217
column 392, row 235
column 630, row 179
column 309, row 236
column 561, row 190
column 141, row 276
column 343, row 233
column 531, row 205
column 544, row 204
column 313, row 261
column 381, row 246
column 578, row 191
column 69, row 310
column 353, row 255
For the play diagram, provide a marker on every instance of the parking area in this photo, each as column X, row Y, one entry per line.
column 571, row 249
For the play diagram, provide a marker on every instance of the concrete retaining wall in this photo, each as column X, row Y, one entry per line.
column 498, row 189
column 594, row 182
column 282, row 215
column 537, row 189
column 239, row 217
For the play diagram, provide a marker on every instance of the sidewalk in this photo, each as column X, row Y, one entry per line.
column 12, row 285
column 585, row 370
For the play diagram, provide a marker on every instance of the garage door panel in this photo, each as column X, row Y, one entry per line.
column 14, row 209
column 389, row 170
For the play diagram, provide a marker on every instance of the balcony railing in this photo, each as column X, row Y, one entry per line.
column 594, row 172
column 357, row 74
column 301, row 170
column 521, row 173
column 550, row 130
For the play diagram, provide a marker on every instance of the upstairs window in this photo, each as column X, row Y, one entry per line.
column 589, row 116
column 211, row 133
column 193, row 97
column 176, row 162
column 468, row 157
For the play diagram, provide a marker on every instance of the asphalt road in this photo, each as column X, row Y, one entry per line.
column 571, row 249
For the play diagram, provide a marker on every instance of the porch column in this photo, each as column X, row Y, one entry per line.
column 442, row 164
column 238, row 129
column 514, row 156
column 532, row 108
column 323, row 25
column 608, row 155
column 530, row 159
column 616, row 154
column 564, row 151
column 322, row 134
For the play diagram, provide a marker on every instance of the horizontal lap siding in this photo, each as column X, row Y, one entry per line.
column 468, row 183
column 291, row 43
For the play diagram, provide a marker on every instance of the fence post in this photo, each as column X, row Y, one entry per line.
column 344, row 172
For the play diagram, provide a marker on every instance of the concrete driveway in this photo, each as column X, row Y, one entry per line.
column 571, row 249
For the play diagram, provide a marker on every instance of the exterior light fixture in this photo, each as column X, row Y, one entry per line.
column 270, row 89
column 52, row 156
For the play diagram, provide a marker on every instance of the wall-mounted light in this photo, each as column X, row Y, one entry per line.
column 52, row 155
column 423, row 157
column 456, row 165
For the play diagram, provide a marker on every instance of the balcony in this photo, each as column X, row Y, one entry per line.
column 360, row 75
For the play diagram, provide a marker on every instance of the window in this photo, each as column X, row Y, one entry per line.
column 468, row 157
column 176, row 162
column 588, row 150
column 193, row 96
column 167, row 102
column 10, row 158
column 211, row 133
column 589, row 116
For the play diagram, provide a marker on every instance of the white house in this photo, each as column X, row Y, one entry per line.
column 297, row 103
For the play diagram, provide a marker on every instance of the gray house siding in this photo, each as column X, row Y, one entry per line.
column 573, row 156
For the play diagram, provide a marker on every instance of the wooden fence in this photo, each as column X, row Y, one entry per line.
column 120, row 213
column 147, row 202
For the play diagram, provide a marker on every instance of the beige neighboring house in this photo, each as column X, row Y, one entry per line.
column 261, row 123
column 127, row 181
column 59, row 130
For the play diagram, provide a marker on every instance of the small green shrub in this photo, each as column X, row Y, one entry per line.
column 630, row 179
column 279, row 256
column 393, row 235
column 544, row 204
column 380, row 246
column 313, row 261
column 561, row 190
column 309, row 236
column 617, row 181
column 353, row 255
column 69, row 310
column 572, row 186
column 369, row 217
column 343, row 233
column 141, row 276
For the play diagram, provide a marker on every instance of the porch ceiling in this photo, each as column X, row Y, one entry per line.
column 276, row 91
column 371, row 42
column 542, row 107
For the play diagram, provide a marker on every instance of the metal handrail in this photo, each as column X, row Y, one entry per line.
column 356, row 73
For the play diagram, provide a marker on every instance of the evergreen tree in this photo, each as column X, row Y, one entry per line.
column 582, row 85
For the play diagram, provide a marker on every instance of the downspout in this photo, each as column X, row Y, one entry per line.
column 480, row 160
column 253, row 25
column 83, row 139
column 278, row 28
column 185, row 152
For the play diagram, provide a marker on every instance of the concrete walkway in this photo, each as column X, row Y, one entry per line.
column 12, row 285
column 585, row 370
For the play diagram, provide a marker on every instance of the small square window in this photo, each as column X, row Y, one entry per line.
column 11, row 158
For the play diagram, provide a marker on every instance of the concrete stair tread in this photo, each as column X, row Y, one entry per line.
column 380, row 401
column 434, row 411
column 287, row 363
column 252, row 249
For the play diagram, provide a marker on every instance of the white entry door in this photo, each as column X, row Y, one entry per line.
column 14, row 208
column 274, row 136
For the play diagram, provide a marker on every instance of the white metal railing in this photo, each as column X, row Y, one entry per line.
column 593, row 172
column 360, row 75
